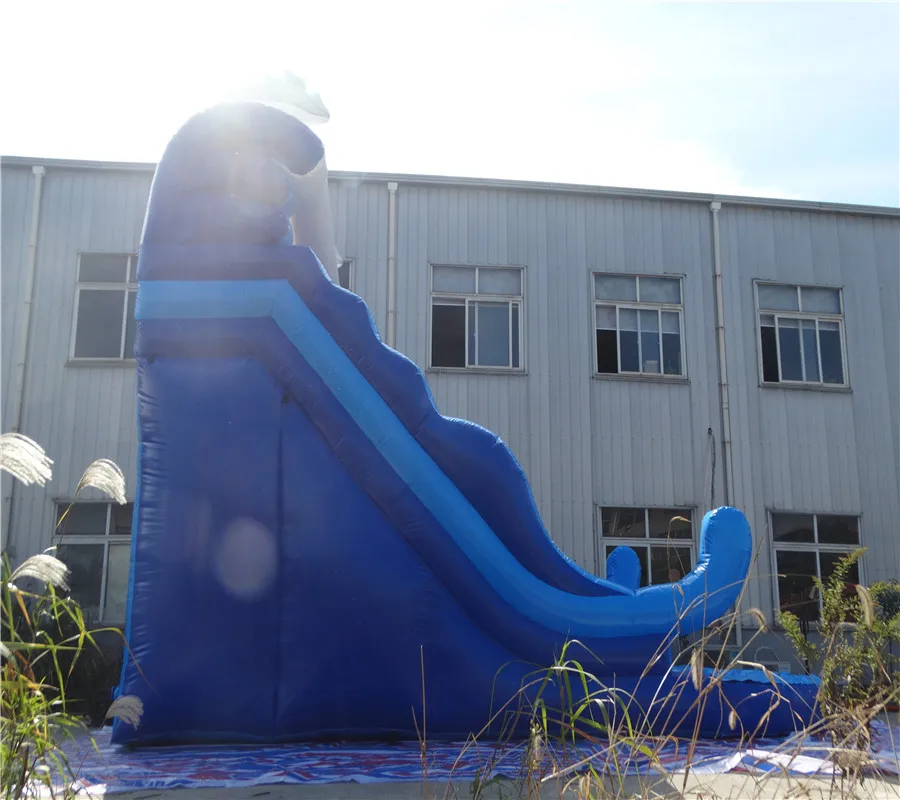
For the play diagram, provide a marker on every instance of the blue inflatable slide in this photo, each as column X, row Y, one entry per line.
column 313, row 540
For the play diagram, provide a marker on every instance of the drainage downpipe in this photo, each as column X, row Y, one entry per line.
column 392, row 266
column 18, row 395
column 727, row 468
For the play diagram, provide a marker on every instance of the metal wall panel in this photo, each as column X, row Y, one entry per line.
column 16, row 199
column 77, row 413
column 360, row 213
column 652, row 441
column 815, row 450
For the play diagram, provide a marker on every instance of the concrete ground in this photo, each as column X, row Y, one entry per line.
column 700, row 787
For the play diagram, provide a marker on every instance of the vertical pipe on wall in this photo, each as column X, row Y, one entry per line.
column 392, row 266
column 727, row 467
column 24, row 340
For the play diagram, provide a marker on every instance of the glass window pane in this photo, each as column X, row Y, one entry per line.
column 671, row 344
column 669, row 564
column 796, row 571
column 132, row 268
column 777, row 298
column 118, row 564
column 85, row 563
column 649, row 322
column 615, row 287
column 769, row 348
column 792, row 528
column 645, row 566
column 671, row 322
column 660, row 290
column 98, row 331
column 82, row 519
column 669, row 523
column 607, row 352
column 826, row 301
column 493, row 334
column 472, row 332
column 628, row 319
column 460, row 280
column 789, row 344
column 344, row 275
column 103, row 268
column 606, row 318
column 837, row 530
column 500, row 281
column 832, row 356
column 120, row 523
column 623, row 522
column 130, row 327
column 448, row 335
column 628, row 340
column 810, row 351
column 515, row 336
column 827, row 563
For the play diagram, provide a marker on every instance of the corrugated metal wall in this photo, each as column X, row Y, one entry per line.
column 583, row 441
column 76, row 412
column 16, row 198
column 817, row 451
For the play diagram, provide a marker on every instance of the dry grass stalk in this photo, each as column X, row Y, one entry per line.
column 43, row 567
column 105, row 476
column 24, row 459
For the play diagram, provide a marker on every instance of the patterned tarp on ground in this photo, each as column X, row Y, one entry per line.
column 112, row 769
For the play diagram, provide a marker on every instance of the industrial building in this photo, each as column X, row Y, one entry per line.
column 646, row 355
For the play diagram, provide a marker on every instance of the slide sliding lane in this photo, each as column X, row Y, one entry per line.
column 703, row 595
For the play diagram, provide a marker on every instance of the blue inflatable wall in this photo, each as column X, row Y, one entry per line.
column 312, row 537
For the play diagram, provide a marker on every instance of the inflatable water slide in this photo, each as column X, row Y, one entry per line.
column 313, row 540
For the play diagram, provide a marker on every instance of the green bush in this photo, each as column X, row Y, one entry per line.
column 856, row 633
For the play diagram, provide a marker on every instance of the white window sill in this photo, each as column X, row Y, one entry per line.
column 130, row 363
column 682, row 380
column 511, row 373
column 807, row 387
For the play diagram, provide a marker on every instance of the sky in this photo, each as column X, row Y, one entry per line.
column 797, row 100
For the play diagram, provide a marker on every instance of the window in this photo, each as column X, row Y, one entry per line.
column 104, row 306
column 638, row 324
column 345, row 275
column 476, row 317
column 801, row 334
column 808, row 546
column 663, row 539
column 95, row 544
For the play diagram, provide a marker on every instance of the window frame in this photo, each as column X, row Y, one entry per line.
column 814, row 547
column 106, row 539
column 125, row 287
column 473, row 298
column 601, row 541
column 638, row 305
column 801, row 316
